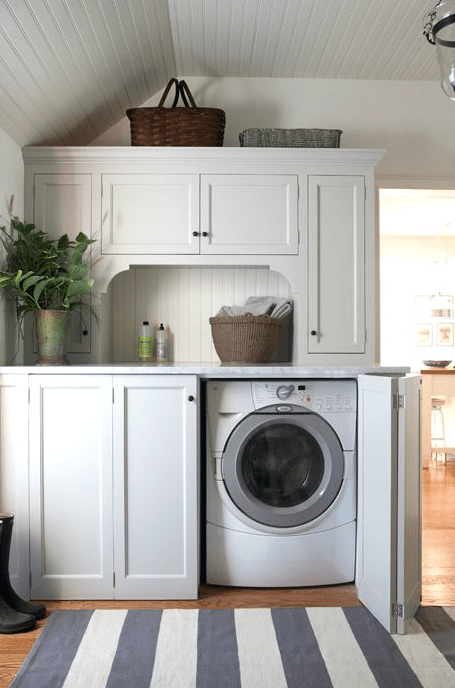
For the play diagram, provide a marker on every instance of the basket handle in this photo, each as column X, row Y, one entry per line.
column 166, row 91
column 183, row 86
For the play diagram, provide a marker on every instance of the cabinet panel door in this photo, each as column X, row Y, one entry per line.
column 336, row 267
column 150, row 213
column 155, row 487
column 249, row 214
column 71, row 486
column 14, row 474
column 389, row 574
column 63, row 205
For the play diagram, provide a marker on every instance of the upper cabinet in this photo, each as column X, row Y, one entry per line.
column 199, row 214
column 307, row 214
column 336, row 265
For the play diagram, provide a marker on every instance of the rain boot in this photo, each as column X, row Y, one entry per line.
column 7, row 594
column 11, row 620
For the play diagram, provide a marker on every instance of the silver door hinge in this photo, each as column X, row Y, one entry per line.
column 398, row 401
column 397, row 610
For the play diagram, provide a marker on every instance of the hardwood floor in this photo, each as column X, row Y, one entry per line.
column 438, row 570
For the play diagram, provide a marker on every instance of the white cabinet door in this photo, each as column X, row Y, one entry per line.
column 156, row 487
column 249, row 214
column 14, row 474
column 336, row 265
column 63, row 205
column 150, row 213
column 71, row 486
column 388, row 574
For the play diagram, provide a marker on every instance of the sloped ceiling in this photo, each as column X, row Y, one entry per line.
column 70, row 68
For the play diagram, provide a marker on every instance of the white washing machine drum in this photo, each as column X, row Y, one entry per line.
column 283, row 466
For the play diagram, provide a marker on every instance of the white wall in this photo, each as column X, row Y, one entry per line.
column 412, row 120
column 11, row 184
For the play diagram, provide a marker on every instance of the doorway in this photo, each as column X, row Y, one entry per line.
column 417, row 278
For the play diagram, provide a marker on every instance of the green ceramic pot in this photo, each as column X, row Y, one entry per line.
column 51, row 337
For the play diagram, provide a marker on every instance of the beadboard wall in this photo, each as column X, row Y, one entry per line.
column 183, row 299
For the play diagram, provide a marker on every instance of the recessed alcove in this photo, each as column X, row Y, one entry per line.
column 183, row 299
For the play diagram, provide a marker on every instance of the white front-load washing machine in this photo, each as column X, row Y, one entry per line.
column 281, row 482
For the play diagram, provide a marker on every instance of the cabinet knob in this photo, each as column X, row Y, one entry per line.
column 205, row 233
column 85, row 332
column 195, row 233
column 313, row 332
column 191, row 398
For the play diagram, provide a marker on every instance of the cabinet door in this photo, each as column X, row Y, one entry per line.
column 155, row 487
column 14, row 474
column 71, row 486
column 249, row 214
column 389, row 565
column 63, row 205
column 150, row 213
column 336, row 265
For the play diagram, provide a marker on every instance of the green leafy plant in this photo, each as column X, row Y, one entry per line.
column 43, row 273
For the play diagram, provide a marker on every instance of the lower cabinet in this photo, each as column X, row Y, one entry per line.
column 113, row 486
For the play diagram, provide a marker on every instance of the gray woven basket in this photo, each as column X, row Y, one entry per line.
column 245, row 338
column 290, row 138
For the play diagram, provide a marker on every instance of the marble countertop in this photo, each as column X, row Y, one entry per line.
column 209, row 370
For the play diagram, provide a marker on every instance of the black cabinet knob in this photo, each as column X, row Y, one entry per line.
column 191, row 398
column 313, row 332
column 205, row 233
column 195, row 233
column 85, row 332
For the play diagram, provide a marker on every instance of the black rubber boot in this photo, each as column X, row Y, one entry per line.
column 11, row 620
column 7, row 594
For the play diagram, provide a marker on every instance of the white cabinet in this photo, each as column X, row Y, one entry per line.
column 62, row 204
column 336, row 265
column 156, row 487
column 249, row 214
column 114, row 487
column 246, row 214
column 150, row 213
column 71, row 486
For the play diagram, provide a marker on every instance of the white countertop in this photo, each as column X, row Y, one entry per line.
column 209, row 370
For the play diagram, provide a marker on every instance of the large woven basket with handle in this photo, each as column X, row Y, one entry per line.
column 245, row 338
column 177, row 126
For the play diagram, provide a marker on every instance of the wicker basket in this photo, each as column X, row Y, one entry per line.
column 245, row 338
column 291, row 138
column 176, row 126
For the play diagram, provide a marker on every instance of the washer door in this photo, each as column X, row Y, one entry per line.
column 283, row 466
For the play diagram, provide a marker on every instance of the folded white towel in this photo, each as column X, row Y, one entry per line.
column 260, row 305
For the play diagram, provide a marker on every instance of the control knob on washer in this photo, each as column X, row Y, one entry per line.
column 284, row 391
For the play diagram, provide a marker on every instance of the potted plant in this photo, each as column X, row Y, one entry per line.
column 47, row 277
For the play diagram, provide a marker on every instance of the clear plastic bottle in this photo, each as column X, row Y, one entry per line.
column 162, row 353
column 145, row 343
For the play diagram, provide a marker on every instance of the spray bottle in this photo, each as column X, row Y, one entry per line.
column 162, row 353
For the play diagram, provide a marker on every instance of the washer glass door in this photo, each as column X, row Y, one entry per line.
column 283, row 470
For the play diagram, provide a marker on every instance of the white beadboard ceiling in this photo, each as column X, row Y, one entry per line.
column 70, row 68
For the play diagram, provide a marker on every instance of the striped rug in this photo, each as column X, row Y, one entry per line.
column 242, row 648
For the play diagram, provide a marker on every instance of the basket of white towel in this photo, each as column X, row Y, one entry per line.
column 249, row 333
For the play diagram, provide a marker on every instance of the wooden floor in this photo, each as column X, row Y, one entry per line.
column 438, row 569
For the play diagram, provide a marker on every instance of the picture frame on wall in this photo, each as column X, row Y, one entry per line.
column 444, row 334
column 424, row 334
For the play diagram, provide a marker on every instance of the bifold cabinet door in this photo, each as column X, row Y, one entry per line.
column 150, row 213
column 71, row 486
column 14, row 474
column 336, row 265
column 155, row 487
column 389, row 566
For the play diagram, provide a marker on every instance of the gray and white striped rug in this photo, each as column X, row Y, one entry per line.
column 315, row 647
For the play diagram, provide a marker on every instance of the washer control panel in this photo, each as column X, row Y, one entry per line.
column 318, row 395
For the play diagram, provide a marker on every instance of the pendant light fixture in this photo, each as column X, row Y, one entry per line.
column 439, row 30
